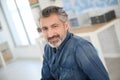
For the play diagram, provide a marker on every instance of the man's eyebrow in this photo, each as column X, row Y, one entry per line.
column 43, row 26
column 54, row 24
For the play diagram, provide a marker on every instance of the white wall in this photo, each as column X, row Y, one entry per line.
column 45, row 3
column 36, row 14
column 18, row 52
column 5, row 33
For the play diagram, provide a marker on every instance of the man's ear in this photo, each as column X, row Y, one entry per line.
column 66, row 25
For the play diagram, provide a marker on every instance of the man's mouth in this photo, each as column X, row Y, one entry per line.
column 53, row 39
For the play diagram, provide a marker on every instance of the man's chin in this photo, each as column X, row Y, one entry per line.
column 55, row 45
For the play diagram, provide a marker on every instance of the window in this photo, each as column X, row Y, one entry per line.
column 21, row 22
column 74, row 22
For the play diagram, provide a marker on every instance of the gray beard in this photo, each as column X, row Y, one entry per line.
column 56, row 45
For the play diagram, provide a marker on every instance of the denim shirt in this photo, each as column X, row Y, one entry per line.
column 75, row 59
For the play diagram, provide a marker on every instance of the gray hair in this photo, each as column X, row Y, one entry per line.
column 55, row 10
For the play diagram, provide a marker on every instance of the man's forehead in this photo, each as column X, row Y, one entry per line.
column 48, row 22
column 55, row 16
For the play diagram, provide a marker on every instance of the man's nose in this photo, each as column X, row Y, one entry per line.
column 51, row 33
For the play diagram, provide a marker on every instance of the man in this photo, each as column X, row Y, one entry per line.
column 67, row 56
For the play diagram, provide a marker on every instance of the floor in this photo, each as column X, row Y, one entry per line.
column 30, row 69
column 113, row 65
column 21, row 70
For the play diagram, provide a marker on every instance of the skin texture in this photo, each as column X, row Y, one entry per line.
column 54, row 30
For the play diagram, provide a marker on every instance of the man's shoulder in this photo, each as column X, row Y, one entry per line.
column 47, row 46
column 78, row 39
column 47, row 50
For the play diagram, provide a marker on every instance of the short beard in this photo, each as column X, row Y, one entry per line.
column 57, row 44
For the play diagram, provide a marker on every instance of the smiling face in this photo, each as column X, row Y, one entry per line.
column 53, row 29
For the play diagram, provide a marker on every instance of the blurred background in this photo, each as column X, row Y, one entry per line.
column 21, row 45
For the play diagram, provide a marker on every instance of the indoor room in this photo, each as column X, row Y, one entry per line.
column 22, row 42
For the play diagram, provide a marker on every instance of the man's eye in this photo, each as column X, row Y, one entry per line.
column 55, row 26
column 44, row 28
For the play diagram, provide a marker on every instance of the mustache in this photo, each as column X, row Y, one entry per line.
column 55, row 36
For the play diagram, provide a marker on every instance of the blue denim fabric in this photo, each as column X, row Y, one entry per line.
column 75, row 59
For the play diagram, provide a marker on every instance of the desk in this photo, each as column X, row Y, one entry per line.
column 88, row 29
column 105, row 37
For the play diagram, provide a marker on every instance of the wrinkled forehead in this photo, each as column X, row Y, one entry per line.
column 47, row 21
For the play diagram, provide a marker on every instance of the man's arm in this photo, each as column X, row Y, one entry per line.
column 46, row 75
column 46, row 71
column 88, row 59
